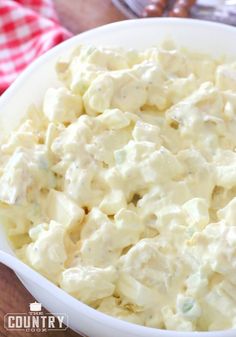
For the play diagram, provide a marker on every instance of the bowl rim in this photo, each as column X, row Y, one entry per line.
column 90, row 312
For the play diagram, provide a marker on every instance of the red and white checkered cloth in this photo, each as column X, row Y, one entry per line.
column 28, row 28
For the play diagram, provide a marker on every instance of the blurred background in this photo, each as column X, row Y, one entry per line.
column 79, row 15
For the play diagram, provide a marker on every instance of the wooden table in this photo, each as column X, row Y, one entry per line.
column 77, row 16
column 81, row 15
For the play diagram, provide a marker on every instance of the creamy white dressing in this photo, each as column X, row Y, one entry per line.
column 121, row 188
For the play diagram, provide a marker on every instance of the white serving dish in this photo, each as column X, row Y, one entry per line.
column 212, row 38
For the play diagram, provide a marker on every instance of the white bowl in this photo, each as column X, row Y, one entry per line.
column 212, row 38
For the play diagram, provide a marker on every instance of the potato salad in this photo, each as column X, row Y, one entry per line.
column 121, row 187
